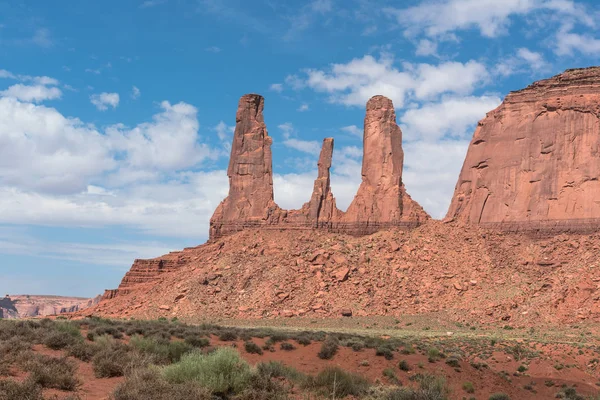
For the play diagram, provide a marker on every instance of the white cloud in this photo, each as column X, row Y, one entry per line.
column 213, row 49
column 169, row 142
column 355, row 82
column 306, row 146
column 524, row 60
column 276, row 87
column 426, row 47
column 451, row 117
column 135, row 93
column 431, row 171
column 36, row 93
column 353, row 130
column 152, row 3
column 93, row 71
column 42, row 38
column 567, row 43
column 490, row 17
column 104, row 100
column 303, row 107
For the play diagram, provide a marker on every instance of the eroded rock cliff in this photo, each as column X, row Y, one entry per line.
column 381, row 201
column 535, row 160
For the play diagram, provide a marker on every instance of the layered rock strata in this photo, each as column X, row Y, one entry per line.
column 535, row 160
column 381, row 201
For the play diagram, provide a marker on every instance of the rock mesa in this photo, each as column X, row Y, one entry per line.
column 535, row 160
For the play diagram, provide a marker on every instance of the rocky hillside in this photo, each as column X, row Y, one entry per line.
column 472, row 274
column 27, row 306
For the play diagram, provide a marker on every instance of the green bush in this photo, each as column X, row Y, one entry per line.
column 287, row 346
column 164, row 352
column 453, row 361
column 59, row 340
column 51, row 372
column 499, row 396
column 404, row 366
column 68, row 329
column 386, row 352
column 391, row 375
column 328, row 348
column 148, row 384
column 27, row 390
column 303, row 340
column 107, row 330
column 253, row 348
column 337, row 383
column 222, row 371
column 228, row 336
column 82, row 350
column 112, row 360
column 433, row 355
column 276, row 369
column 430, row 388
column 197, row 341
column 357, row 346
column 468, row 387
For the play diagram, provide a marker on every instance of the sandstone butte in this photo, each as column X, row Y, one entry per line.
column 381, row 201
column 534, row 161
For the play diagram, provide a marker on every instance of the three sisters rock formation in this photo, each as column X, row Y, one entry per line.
column 381, row 200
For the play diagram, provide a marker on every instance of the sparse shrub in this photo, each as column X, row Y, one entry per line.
column 197, row 341
column 112, row 360
column 453, row 361
column 148, row 384
column 253, row 348
column 59, row 340
column 276, row 369
column 522, row 368
column 68, row 329
column 222, row 371
column 468, row 387
column 404, row 366
column 279, row 337
column 107, row 330
column 430, row 388
column 228, row 336
column 164, row 352
column 499, row 396
column 328, row 348
column 433, row 355
column 364, row 363
column 26, row 390
column 287, row 346
column 82, row 350
column 51, row 372
column 386, row 352
column 358, row 346
column 391, row 375
column 337, row 383
column 303, row 340
column 406, row 350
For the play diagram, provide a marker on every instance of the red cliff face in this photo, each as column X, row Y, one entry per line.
column 381, row 197
column 250, row 171
column 381, row 201
column 536, row 158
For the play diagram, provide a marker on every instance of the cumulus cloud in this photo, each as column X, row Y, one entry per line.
column 104, row 100
column 35, row 93
column 353, row 130
column 524, row 60
column 306, row 146
column 568, row 42
column 355, row 82
column 303, row 107
column 490, row 17
column 448, row 118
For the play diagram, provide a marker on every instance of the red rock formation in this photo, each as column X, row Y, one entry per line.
column 536, row 158
column 381, row 201
column 381, row 197
column 321, row 208
column 250, row 171
column 31, row 306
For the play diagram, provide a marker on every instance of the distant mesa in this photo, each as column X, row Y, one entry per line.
column 534, row 162
column 381, row 201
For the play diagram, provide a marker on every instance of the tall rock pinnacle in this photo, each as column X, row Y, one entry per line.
column 536, row 157
column 381, row 197
column 321, row 207
column 250, row 169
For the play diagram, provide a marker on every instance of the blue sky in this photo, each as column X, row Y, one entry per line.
column 116, row 117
